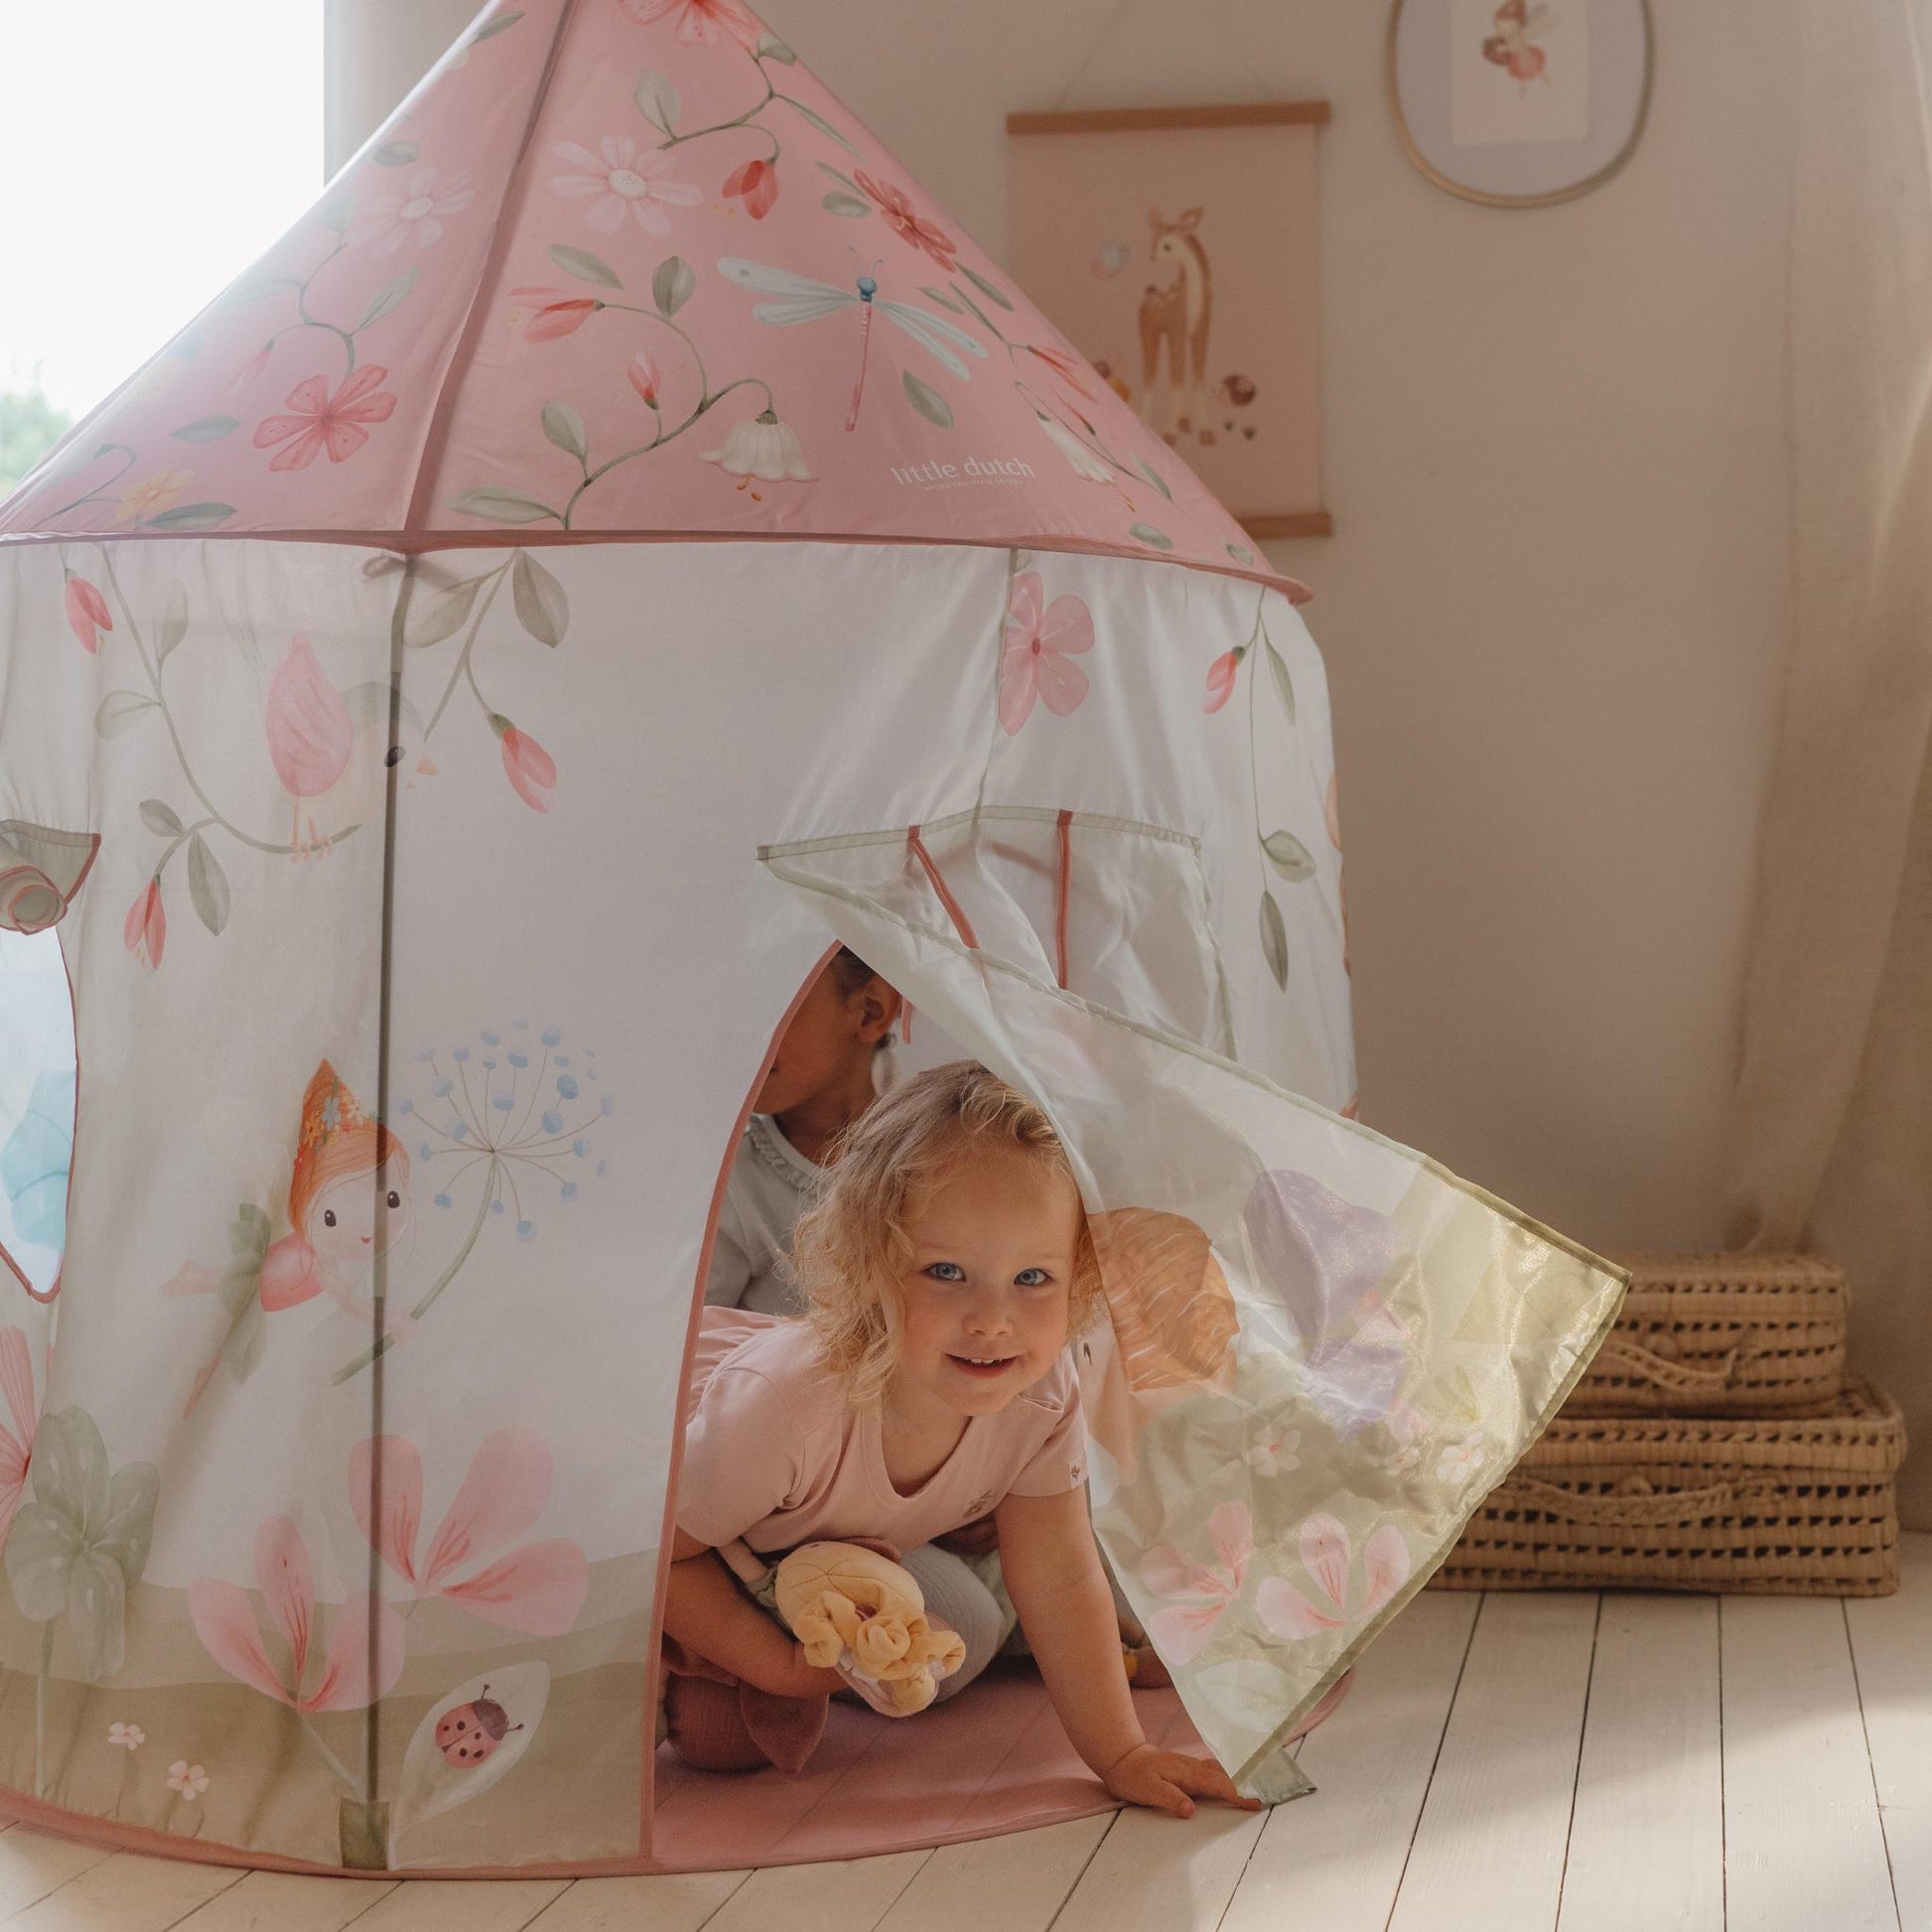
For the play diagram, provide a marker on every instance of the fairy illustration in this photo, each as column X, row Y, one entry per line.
column 1510, row 46
column 345, row 1163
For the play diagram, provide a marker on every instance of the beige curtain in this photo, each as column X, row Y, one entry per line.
column 1833, row 1126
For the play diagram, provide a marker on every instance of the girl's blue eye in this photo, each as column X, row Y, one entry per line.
column 1031, row 1278
column 946, row 1271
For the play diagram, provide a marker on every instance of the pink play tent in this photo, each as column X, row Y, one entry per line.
column 621, row 542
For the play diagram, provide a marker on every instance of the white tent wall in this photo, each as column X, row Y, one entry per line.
column 1555, row 657
column 579, row 1000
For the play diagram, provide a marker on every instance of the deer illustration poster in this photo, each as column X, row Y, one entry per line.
column 1176, row 249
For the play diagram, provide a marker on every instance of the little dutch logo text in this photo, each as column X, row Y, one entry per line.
column 976, row 469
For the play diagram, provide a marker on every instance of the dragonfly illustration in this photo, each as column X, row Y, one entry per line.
column 801, row 299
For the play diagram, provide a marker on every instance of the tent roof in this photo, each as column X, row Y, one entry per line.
column 627, row 269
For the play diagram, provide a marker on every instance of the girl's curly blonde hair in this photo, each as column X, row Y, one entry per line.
column 849, row 1252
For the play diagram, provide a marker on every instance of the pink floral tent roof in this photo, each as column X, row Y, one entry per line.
column 626, row 267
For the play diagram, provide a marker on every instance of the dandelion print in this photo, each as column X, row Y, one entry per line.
column 505, row 1130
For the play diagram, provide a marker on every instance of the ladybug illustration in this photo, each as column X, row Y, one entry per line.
column 471, row 1732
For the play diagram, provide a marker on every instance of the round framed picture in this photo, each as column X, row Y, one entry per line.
column 1521, row 103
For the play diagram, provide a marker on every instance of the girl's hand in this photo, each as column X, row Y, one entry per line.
column 806, row 1680
column 1168, row 1781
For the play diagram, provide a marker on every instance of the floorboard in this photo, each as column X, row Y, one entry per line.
column 1803, row 1846
column 1489, row 1844
column 1157, row 1874
column 683, row 1901
column 286, row 1901
column 850, row 1896
column 1891, row 1649
column 1646, row 1839
column 458, row 1905
column 1013, row 1884
column 127, row 1892
column 34, row 1864
column 1335, row 1861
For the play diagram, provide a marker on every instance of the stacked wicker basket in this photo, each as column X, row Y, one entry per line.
column 1714, row 1444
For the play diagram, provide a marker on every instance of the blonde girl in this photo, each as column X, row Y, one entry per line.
column 944, row 1273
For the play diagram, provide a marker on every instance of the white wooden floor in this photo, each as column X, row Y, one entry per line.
column 1504, row 1765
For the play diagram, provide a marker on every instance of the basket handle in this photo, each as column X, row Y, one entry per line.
column 1648, row 1510
column 1675, row 1378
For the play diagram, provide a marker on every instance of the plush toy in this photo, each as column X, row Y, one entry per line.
column 864, row 1615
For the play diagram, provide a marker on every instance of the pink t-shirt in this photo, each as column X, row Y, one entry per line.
column 775, row 1454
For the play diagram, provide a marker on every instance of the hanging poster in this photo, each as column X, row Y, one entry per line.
column 1175, row 248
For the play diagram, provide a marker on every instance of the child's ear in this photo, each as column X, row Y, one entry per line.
column 879, row 1005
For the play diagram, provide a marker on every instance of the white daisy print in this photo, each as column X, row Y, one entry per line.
column 622, row 183
column 415, row 216
column 188, row 1780
column 127, row 1738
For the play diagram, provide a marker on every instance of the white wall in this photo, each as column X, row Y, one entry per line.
column 1555, row 607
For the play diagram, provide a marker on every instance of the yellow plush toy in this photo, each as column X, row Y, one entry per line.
column 862, row 1614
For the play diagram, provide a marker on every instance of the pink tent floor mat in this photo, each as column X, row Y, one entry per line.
column 995, row 1760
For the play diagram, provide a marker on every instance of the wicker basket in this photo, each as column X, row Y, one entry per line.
column 1782, row 1505
column 1721, row 1336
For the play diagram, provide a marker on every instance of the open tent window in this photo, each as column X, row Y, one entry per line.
column 40, row 873
column 1110, row 908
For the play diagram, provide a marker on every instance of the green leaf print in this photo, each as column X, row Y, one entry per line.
column 171, row 626
column 161, row 818
column 501, row 505
column 121, row 711
column 985, row 287
column 846, row 204
column 1289, row 855
column 190, row 517
column 927, row 400
column 1147, row 535
column 1282, row 682
column 565, row 428
column 586, row 266
column 671, row 284
column 207, row 429
column 657, row 100
column 390, row 295
column 207, row 884
column 1274, row 938
column 398, row 154
column 542, row 609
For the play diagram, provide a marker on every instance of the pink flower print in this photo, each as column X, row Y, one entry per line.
column 1181, row 1633
column 311, row 735
column 415, row 216
column 152, row 494
column 146, row 930
column 322, row 421
column 1221, row 679
column 367, row 1632
column 1328, row 1556
column 253, row 366
column 86, row 612
column 1034, row 663
column 755, row 184
column 17, row 1443
column 531, row 771
column 188, row 1780
column 699, row 23
column 544, row 315
column 126, row 1738
column 624, row 182
column 643, row 377
column 897, row 207
column 1066, row 365
column 537, row 1589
